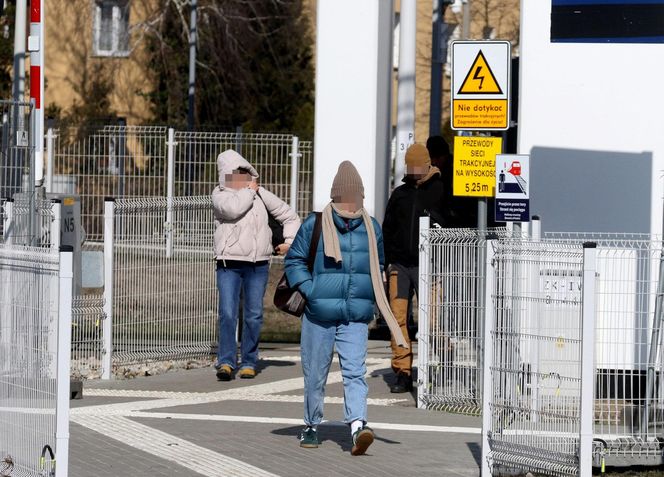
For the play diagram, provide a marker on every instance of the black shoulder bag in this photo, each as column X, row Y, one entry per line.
column 289, row 299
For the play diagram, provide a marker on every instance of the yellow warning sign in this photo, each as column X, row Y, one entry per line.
column 475, row 165
column 480, row 79
column 480, row 114
column 480, row 86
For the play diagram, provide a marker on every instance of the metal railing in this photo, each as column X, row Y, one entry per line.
column 30, row 220
column 103, row 162
column 573, row 354
column 629, row 390
column 140, row 161
column 164, row 296
column 35, row 320
column 87, row 342
column 450, row 349
column 16, row 146
column 533, row 350
column 571, row 358
column 4, row 217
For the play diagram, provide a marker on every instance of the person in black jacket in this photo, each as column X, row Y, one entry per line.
column 460, row 211
column 423, row 193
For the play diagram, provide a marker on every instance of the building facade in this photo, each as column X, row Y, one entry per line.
column 96, row 52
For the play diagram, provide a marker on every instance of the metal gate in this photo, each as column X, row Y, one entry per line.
column 164, row 295
column 450, row 321
column 629, row 390
column 16, row 149
column 15, row 146
column 533, row 351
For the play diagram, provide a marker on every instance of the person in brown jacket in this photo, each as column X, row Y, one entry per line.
column 421, row 194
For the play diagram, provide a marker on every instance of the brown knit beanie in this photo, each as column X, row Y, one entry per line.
column 347, row 182
column 417, row 156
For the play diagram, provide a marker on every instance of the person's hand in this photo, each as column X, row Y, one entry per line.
column 253, row 185
column 282, row 249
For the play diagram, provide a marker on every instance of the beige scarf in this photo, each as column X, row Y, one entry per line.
column 433, row 170
column 333, row 250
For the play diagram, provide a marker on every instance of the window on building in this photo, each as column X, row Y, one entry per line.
column 111, row 28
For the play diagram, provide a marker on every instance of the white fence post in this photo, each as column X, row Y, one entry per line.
column 587, row 358
column 170, row 192
column 489, row 323
column 66, row 276
column 53, row 338
column 536, row 228
column 49, row 160
column 55, row 223
column 8, row 227
column 295, row 157
column 534, row 351
column 107, row 354
column 424, row 312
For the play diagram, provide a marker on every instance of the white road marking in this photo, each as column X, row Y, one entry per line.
column 234, row 394
column 169, row 447
column 245, row 397
column 134, row 393
column 113, row 420
column 298, row 422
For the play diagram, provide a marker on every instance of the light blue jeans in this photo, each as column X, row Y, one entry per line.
column 317, row 344
column 231, row 279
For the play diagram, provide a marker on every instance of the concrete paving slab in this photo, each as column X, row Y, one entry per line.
column 186, row 422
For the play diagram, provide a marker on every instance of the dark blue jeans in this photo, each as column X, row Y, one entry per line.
column 251, row 279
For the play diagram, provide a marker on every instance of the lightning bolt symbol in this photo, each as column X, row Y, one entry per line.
column 477, row 76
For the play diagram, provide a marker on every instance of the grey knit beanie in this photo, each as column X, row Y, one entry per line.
column 347, row 182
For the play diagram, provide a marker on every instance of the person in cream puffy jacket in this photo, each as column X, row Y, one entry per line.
column 242, row 249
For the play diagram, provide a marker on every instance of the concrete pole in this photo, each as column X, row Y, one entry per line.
column 191, row 110
column 465, row 32
column 19, row 50
column 405, row 85
column 482, row 204
column 193, row 34
column 437, row 60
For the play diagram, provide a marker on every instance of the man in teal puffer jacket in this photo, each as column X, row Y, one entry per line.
column 341, row 291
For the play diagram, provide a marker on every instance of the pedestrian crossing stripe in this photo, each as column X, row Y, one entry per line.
column 480, row 79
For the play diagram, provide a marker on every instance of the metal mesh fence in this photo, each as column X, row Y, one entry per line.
column 28, row 351
column 535, row 367
column 87, row 343
column 629, row 391
column 15, row 146
column 536, row 351
column 305, row 177
column 454, row 333
column 110, row 161
column 22, row 227
column 4, row 218
column 132, row 161
column 165, row 297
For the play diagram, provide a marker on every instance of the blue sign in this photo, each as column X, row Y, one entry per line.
column 512, row 188
column 512, row 210
column 607, row 21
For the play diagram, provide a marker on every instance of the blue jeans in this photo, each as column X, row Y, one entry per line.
column 251, row 278
column 317, row 343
